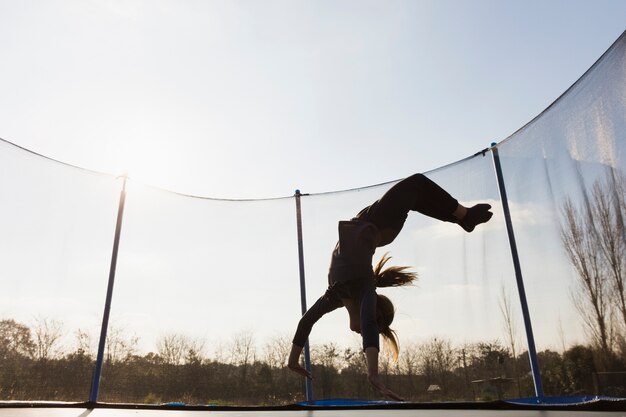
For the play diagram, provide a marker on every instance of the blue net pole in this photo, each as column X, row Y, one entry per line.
column 307, row 355
column 532, row 352
column 95, row 384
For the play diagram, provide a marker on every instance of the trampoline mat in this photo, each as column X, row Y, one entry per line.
column 115, row 412
column 550, row 407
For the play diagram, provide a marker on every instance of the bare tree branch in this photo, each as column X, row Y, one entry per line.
column 47, row 335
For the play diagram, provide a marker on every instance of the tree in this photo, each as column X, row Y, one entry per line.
column 177, row 349
column 594, row 238
column 553, row 372
column 579, row 365
column 609, row 210
column 120, row 347
column 194, row 351
column 354, row 359
column 276, row 351
column 580, row 240
column 243, row 353
column 171, row 349
column 510, row 330
column 326, row 358
column 492, row 356
column 84, row 345
column 15, row 339
column 437, row 359
column 242, row 349
column 408, row 362
column 48, row 332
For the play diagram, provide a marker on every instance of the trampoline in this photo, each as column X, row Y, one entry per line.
column 510, row 311
column 554, row 407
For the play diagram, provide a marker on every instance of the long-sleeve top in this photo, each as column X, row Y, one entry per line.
column 350, row 276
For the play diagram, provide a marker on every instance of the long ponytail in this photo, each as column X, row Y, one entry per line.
column 393, row 276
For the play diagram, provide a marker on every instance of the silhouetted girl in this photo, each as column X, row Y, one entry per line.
column 352, row 281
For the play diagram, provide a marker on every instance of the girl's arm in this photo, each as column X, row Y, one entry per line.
column 323, row 305
column 371, row 355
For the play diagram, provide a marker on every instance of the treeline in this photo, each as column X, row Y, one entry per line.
column 33, row 366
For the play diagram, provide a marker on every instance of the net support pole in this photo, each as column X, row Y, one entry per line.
column 307, row 354
column 532, row 352
column 95, row 383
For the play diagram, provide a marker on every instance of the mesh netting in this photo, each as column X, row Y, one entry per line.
column 207, row 291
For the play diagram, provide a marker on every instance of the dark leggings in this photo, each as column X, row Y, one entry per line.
column 415, row 193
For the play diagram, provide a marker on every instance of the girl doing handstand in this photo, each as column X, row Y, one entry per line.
column 351, row 280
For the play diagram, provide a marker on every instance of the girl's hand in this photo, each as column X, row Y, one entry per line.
column 299, row 369
column 378, row 384
column 293, row 362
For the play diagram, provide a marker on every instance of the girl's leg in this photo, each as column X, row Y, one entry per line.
column 415, row 193
column 419, row 193
column 428, row 198
column 434, row 201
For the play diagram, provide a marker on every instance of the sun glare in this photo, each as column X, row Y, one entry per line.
column 147, row 164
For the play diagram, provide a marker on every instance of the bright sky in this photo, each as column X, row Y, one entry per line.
column 251, row 99
column 254, row 99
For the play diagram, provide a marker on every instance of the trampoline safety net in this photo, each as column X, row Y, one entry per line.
column 207, row 293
